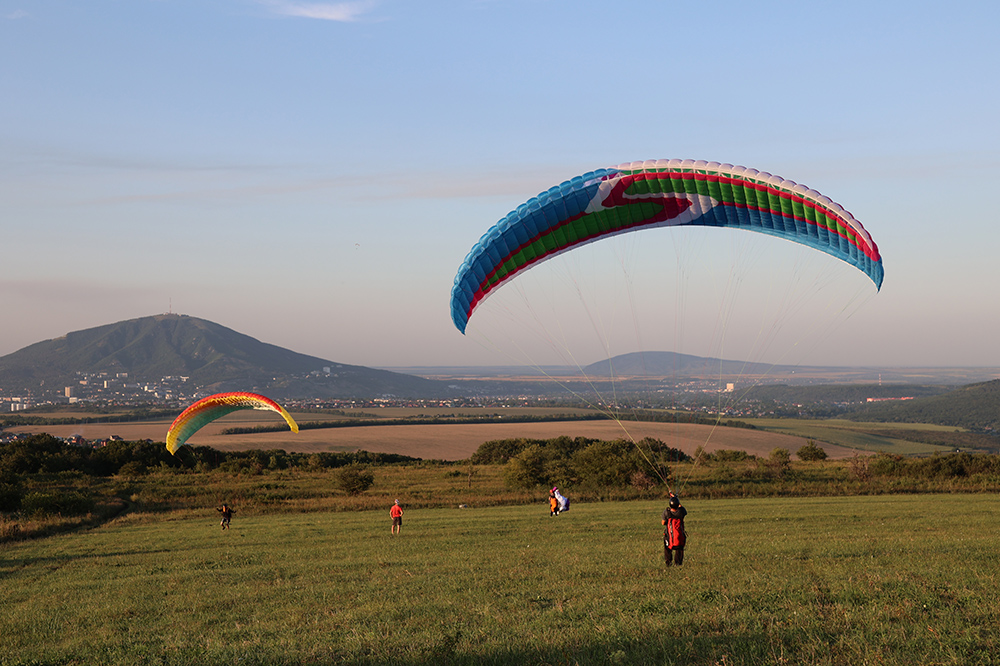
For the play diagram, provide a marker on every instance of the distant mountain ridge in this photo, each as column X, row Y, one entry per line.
column 214, row 358
column 208, row 354
column 655, row 364
column 665, row 364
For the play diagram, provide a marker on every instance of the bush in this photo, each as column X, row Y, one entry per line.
column 642, row 480
column 527, row 469
column 51, row 504
column 10, row 495
column 730, row 455
column 132, row 469
column 781, row 455
column 247, row 466
column 810, row 452
column 660, row 451
column 859, row 467
column 886, row 464
column 500, row 452
column 604, row 465
column 948, row 466
column 778, row 463
column 355, row 479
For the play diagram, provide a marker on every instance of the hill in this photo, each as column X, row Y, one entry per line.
column 667, row 364
column 976, row 407
column 660, row 364
column 841, row 393
column 211, row 357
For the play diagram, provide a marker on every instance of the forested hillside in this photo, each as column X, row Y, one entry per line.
column 976, row 407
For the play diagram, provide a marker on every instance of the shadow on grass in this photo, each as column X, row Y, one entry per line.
column 456, row 650
column 13, row 530
column 8, row 566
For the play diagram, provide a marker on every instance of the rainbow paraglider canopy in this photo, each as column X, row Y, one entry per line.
column 216, row 406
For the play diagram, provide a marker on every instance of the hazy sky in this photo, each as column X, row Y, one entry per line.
column 313, row 173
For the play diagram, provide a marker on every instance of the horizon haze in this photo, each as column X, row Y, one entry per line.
column 151, row 348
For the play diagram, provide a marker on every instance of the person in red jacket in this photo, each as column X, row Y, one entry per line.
column 674, row 536
column 396, row 513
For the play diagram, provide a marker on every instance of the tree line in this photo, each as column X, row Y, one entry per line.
column 580, row 462
column 47, row 455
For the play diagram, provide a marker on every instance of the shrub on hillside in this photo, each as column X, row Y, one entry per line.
column 886, row 464
column 810, row 452
column 729, row 455
column 940, row 466
column 132, row 469
column 778, row 463
column 590, row 463
column 859, row 467
column 246, row 466
column 355, row 479
column 56, row 503
column 527, row 469
column 604, row 465
column 499, row 451
column 10, row 493
column 642, row 480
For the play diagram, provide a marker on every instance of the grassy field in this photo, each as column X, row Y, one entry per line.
column 455, row 441
column 854, row 435
column 858, row 580
column 840, row 438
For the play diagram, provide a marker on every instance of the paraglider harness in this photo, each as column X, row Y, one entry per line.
column 562, row 500
column 674, row 534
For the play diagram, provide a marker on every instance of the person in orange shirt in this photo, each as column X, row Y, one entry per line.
column 553, row 504
column 396, row 513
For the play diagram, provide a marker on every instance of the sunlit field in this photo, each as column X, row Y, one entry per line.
column 858, row 435
column 456, row 441
column 846, row 580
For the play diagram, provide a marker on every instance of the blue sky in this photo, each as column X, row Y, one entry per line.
column 313, row 173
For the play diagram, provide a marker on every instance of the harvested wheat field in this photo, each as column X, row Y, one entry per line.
column 449, row 441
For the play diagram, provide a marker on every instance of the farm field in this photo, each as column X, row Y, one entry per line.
column 845, row 580
column 443, row 441
column 858, row 435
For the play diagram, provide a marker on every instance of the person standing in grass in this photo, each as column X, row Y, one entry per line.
column 396, row 513
column 553, row 504
column 227, row 515
column 674, row 536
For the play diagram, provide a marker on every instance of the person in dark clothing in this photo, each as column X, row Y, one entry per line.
column 227, row 515
column 674, row 536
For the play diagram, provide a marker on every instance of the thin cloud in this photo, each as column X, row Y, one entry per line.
column 17, row 14
column 345, row 12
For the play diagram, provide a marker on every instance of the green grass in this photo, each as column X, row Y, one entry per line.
column 426, row 485
column 854, row 435
column 858, row 580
